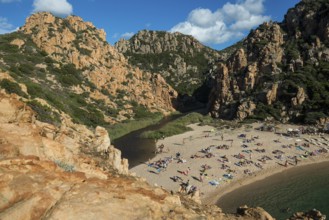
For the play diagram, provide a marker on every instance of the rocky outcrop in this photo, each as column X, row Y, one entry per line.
column 115, row 160
column 278, row 67
column 102, row 141
column 23, row 135
column 303, row 21
column 105, row 72
column 243, row 72
column 312, row 214
column 245, row 109
column 253, row 213
column 300, row 97
column 180, row 59
column 271, row 95
column 35, row 189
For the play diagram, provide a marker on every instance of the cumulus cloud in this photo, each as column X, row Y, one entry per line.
column 9, row 1
column 127, row 35
column 56, row 7
column 6, row 27
column 224, row 24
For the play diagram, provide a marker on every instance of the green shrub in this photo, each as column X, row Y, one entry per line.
column 44, row 113
column 84, row 51
column 130, row 75
column 65, row 166
column 263, row 111
column 12, row 87
column 313, row 117
column 90, row 117
column 68, row 75
column 34, row 90
column 118, row 130
column 177, row 126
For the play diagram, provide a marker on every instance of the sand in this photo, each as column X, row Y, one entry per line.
column 202, row 137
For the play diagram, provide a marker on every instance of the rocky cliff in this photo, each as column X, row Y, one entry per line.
column 280, row 71
column 182, row 60
column 94, row 83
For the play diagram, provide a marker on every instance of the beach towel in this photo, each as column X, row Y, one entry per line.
column 214, row 182
column 299, row 148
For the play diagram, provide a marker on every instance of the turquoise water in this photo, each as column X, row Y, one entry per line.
column 299, row 189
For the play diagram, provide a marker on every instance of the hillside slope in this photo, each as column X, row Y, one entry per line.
column 181, row 59
column 281, row 72
column 65, row 65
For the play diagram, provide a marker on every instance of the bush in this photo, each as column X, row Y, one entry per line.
column 263, row 111
column 141, row 112
column 177, row 126
column 68, row 75
column 34, row 90
column 44, row 113
column 12, row 87
column 118, row 130
column 90, row 117
column 313, row 117
column 65, row 166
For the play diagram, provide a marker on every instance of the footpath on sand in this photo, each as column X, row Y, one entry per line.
column 213, row 162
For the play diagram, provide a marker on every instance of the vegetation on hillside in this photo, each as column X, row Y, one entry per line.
column 169, row 61
column 177, row 126
column 51, row 81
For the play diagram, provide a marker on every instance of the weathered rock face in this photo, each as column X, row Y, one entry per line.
column 253, row 213
column 22, row 135
column 35, row 189
column 245, row 109
column 180, row 59
column 303, row 21
column 73, row 41
column 300, row 97
column 278, row 69
column 102, row 141
column 244, row 70
column 312, row 214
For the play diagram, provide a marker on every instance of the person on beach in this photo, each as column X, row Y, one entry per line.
column 201, row 177
column 222, row 137
column 185, row 172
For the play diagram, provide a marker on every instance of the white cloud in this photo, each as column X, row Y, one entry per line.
column 224, row 24
column 57, row 7
column 115, row 35
column 9, row 1
column 6, row 27
column 127, row 35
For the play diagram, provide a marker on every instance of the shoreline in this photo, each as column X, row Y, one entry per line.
column 215, row 196
column 202, row 137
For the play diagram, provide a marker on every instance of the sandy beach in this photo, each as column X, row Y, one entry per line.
column 218, row 161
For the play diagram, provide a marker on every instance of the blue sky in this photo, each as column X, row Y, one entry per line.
column 216, row 23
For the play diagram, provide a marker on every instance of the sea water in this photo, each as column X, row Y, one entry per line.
column 297, row 189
